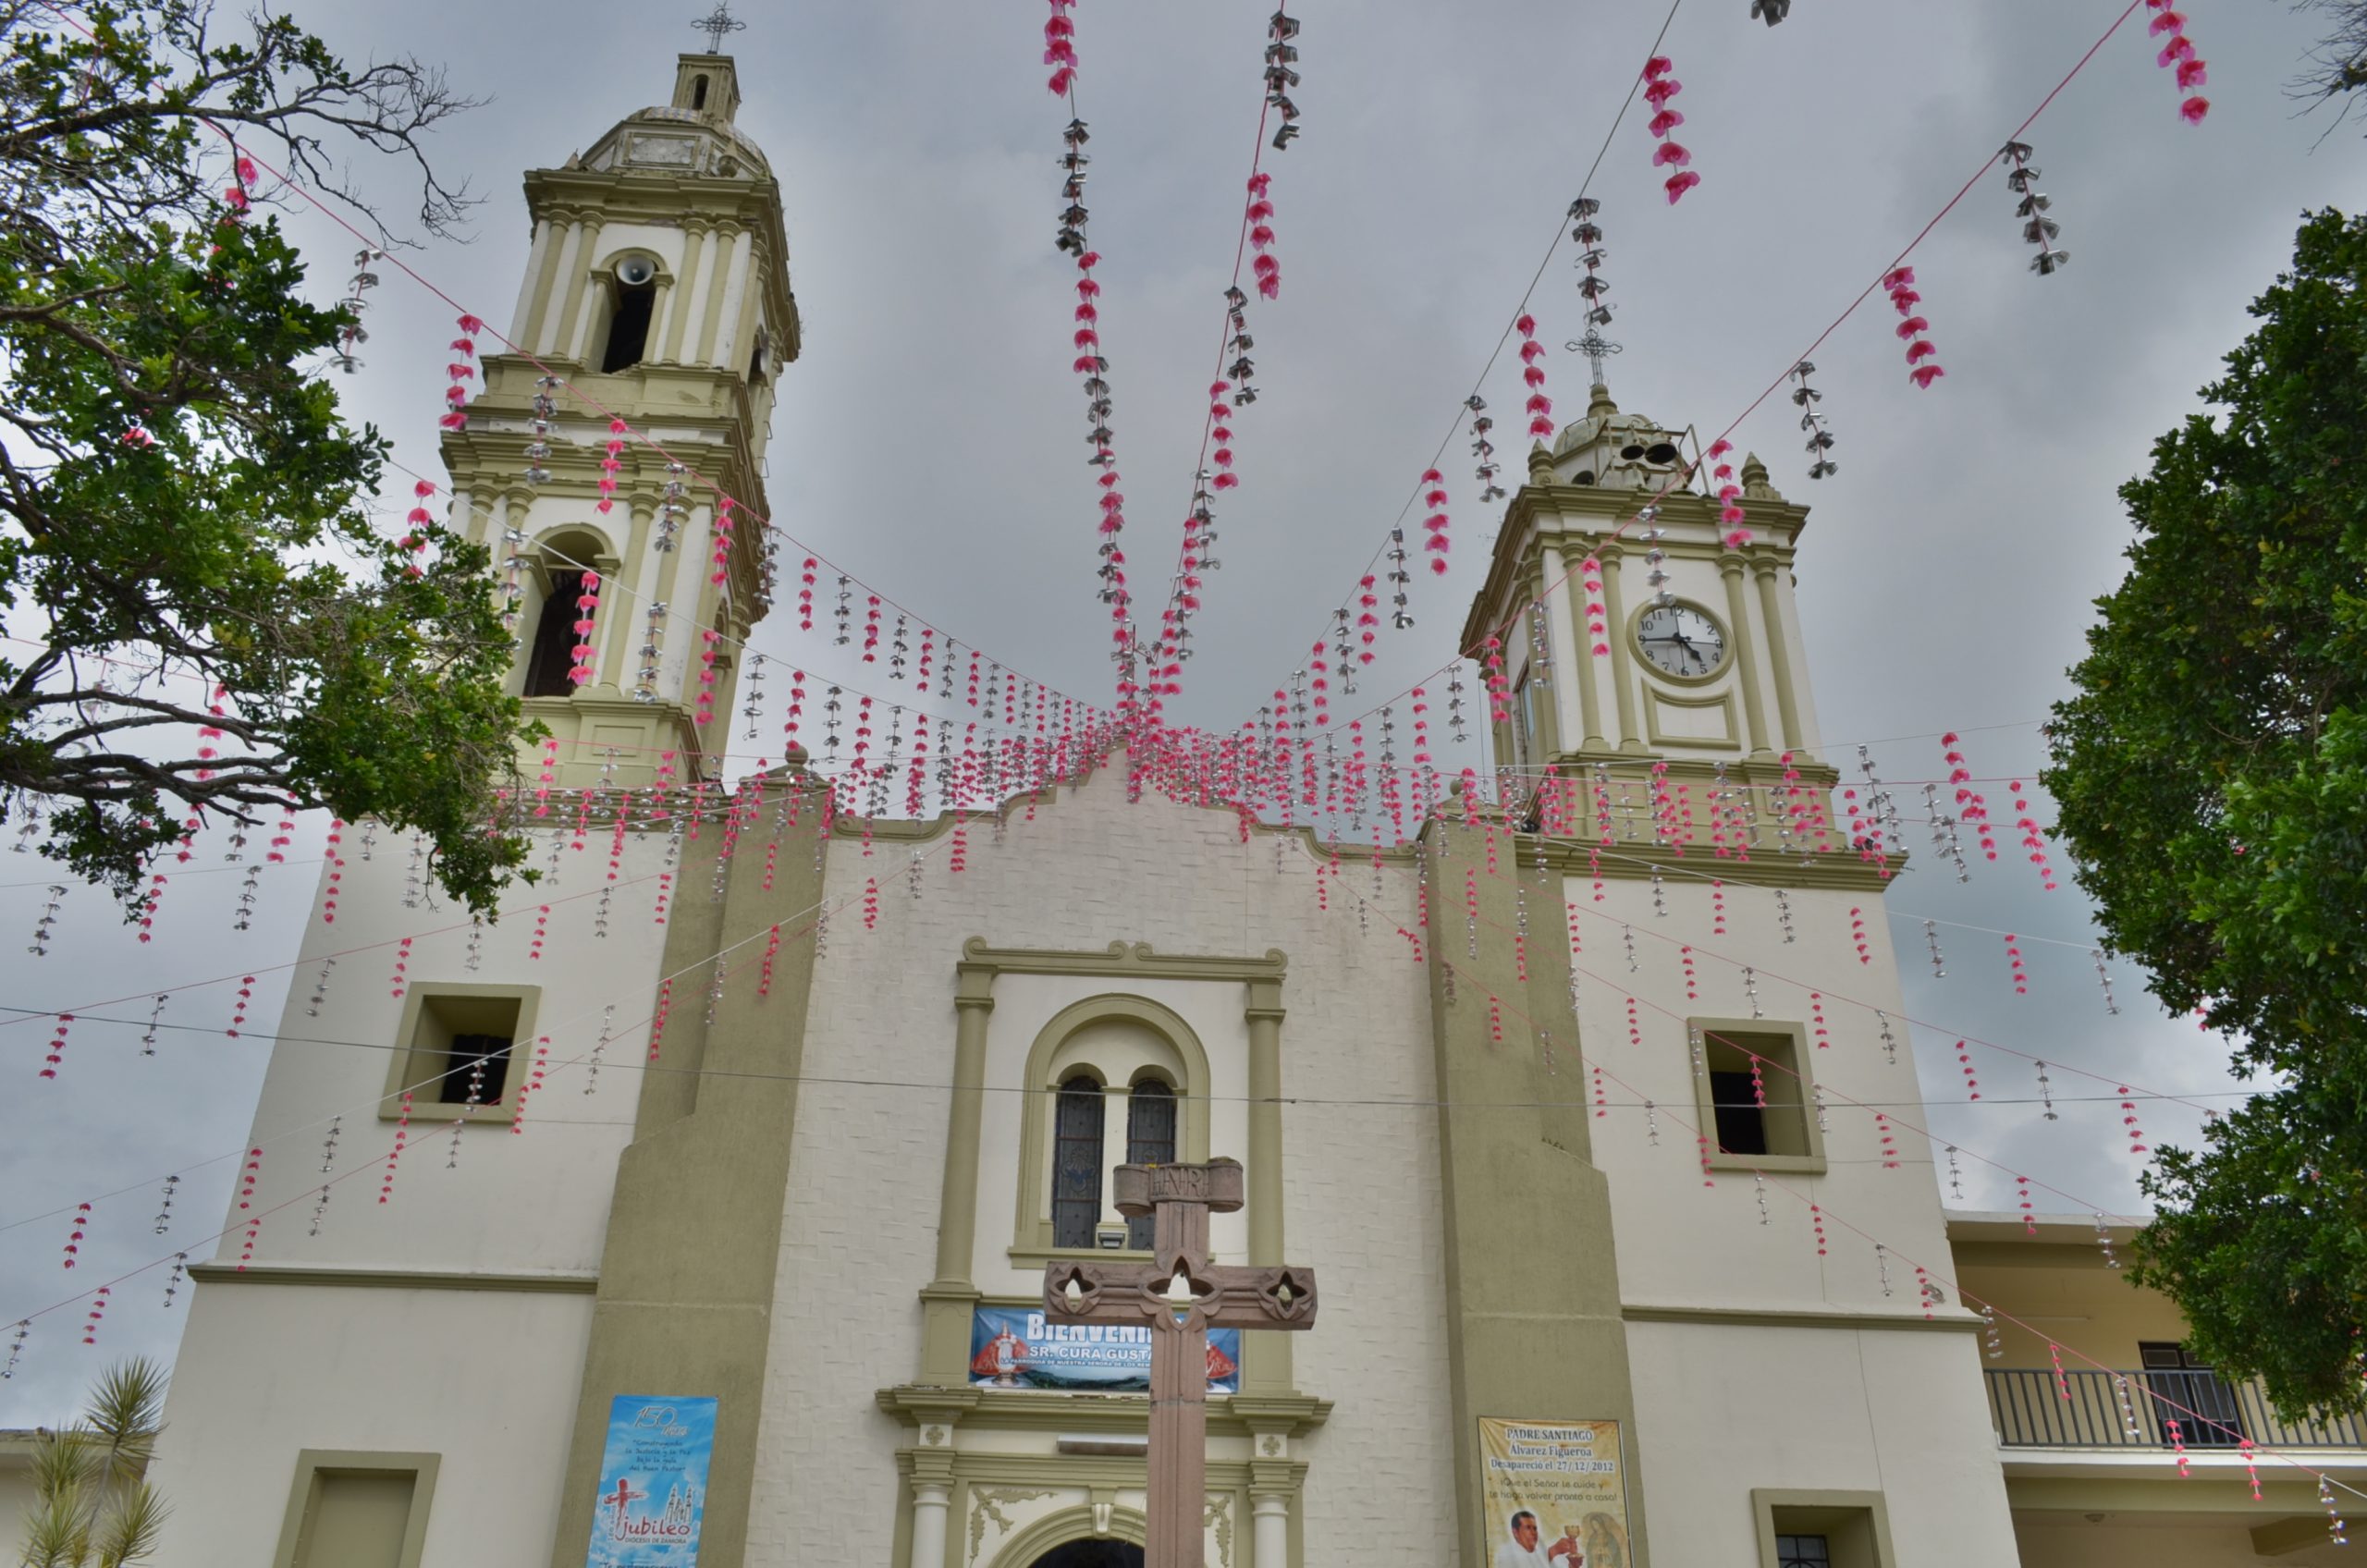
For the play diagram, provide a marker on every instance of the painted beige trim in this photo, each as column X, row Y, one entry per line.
column 1746, row 657
column 1660, row 738
column 304, row 1492
column 1811, row 1163
column 412, row 1067
column 1633, row 860
column 1030, row 1410
column 1038, row 1536
column 1840, row 1506
column 1119, row 960
column 393, row 1279
column 1266, row 1367
column 1793, row 1317
column 1779, row 656
column 1622, row 682
column 1031, row 1245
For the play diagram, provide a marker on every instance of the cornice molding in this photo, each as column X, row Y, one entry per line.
column 1050, row 1410
column 1130, row 960
column 1798, row 1317
column 1634, row 862
column 394, row 1279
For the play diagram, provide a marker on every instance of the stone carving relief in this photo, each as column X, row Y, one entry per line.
column 987, row 1505
column 1220, row 1515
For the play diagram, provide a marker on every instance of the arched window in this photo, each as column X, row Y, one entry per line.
column 1076, row 1162
column 698, row 92
column 1150, row 1140
column 553, row 651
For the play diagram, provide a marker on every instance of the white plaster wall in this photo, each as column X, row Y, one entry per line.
column 1723, row 1410
column 486, row 1379
column 535, row 1201
column 1708, row 1247
column 16, row 1502
column 1361, row 1205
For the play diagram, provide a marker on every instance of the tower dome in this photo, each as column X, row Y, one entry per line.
column 1616, row 450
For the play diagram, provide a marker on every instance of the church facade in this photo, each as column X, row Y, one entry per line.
column 716, row 1228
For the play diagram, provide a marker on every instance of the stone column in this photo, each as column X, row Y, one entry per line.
column 692, row 332
column 1577, row 658
column 1269, row 1538
column 581, row 306
column 1268, row 1356
column 929, row 1502
column 949, row 1298
column 1779, row 658
column 1754, row 709
column 735, row 289
column 667, row 335
column 555, row 296
column 622, row 657
column 520, row 326
column 1622, row 689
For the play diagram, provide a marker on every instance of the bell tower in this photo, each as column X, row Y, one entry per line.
column 1695, row 657
column 656, row 294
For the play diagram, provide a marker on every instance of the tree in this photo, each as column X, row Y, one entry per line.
column 2338, row 65
column 92, row 1508
column 186, row 535
column 2212, row 773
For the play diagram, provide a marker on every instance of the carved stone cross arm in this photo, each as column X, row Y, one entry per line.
column 1179, row 1198
column 1178, row 1296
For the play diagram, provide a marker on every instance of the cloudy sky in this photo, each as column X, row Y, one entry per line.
column 930, row 438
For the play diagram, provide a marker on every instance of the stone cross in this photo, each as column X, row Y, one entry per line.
column 1181, row 1295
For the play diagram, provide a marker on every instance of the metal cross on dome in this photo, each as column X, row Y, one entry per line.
column 716, row 24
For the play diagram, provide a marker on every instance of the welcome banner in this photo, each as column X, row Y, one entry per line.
column 1012, row 1347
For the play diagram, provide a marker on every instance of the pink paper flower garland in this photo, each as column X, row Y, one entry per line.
column 2178, row 52
column 1659, row 87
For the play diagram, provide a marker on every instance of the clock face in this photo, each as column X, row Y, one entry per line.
column 1680, row 640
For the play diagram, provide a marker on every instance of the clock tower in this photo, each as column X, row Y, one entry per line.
column 1676, row 652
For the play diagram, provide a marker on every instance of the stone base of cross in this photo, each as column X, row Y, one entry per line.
column 1181, row 1295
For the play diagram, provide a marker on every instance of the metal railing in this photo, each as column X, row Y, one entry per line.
column 2034, row 1408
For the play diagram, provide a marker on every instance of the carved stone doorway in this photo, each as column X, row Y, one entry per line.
column 1092, row 1554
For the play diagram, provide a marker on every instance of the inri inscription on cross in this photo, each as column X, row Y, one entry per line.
column 1181, row 1295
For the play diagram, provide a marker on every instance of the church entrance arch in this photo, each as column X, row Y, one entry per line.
column 1091, row 1554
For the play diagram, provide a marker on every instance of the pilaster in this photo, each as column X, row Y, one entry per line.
column 687, row 1276
column 1534, row 1328
column 949, row 1299
column 1622, row 690
column 1267, row 1356
column 1754, row 705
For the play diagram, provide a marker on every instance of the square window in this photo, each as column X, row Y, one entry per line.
column 460, row 1045
column 1820, row 1529
column 352, row 1510
column 1753, row 1089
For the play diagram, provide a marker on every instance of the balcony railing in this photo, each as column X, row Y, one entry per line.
column 2031, row 1409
